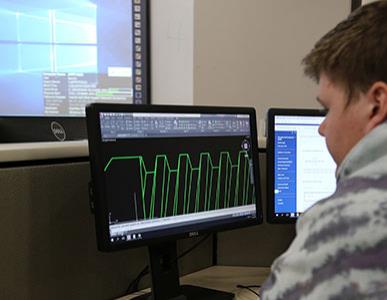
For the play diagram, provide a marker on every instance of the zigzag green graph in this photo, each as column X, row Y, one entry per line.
column 191, row 182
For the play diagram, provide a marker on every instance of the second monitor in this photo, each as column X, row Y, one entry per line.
column 300, row 170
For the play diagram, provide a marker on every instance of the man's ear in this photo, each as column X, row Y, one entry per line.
column 377, row 99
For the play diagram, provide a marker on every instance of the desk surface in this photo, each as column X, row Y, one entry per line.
column 225, row 279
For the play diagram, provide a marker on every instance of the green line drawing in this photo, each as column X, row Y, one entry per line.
column 165, row 191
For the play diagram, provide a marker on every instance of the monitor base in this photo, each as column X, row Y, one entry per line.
column 165, row 278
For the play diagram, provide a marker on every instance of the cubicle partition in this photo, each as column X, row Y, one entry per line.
column 48, row 245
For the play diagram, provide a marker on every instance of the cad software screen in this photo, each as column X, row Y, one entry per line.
column 304, row 171
column 57, row 56
column 165, row 173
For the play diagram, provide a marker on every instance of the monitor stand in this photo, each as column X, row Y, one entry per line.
column 165, row 278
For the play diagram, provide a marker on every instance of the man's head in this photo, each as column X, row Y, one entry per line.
column 350, row 65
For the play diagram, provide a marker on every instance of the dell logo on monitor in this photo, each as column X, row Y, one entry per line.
column 58, row 131
column 193, row 233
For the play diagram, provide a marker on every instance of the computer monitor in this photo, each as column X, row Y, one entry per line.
column 161, row 173
column 58, row 56
column 300, row 170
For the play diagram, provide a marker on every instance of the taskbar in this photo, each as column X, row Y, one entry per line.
column 139, row 230
column 289, row 214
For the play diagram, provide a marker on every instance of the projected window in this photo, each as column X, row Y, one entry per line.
column 59, row 55
column 62, row 41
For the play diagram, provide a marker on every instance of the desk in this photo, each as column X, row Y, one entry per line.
column 223, row 278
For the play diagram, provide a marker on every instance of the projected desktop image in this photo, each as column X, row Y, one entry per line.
column 300, row 170
column 57, row 56
column 161, row 173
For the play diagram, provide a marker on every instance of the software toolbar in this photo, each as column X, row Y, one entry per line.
column 142, row 125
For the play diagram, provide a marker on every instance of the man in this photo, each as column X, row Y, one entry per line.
column 340, row 251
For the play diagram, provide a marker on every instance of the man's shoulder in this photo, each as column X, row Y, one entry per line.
column 354, row 195
column 357, row 209
column 341, row 240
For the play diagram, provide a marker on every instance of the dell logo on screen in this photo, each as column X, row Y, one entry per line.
column 58, row 131
column 193, row 233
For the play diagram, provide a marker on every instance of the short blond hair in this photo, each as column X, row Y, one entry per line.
column 354, row 53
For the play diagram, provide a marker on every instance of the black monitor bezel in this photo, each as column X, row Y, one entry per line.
column 271, row 114
column 355, row 4
column 34, row 128
column 94, row 135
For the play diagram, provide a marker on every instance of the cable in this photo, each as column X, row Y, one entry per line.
column 249, row 287
column 133, row 285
